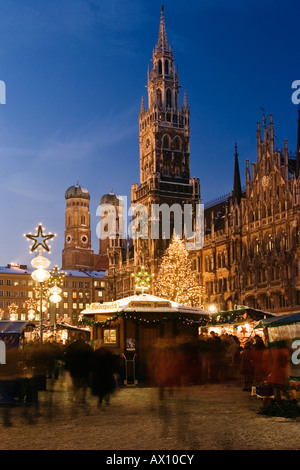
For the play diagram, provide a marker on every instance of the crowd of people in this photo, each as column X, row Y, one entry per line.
column 27, row 370
column 172, row 362
column 214, row 358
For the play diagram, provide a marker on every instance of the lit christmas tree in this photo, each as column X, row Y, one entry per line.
column 175, row 280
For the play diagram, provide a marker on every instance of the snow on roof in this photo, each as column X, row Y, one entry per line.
column 18, row 269
column 142, row 303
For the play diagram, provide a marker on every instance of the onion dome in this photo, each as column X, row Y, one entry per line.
column 77, row 191
column 111, row 199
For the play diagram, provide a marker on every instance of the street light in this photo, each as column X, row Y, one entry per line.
column 56, row 278
column 40, row 275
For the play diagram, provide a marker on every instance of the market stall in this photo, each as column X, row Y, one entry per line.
column 285, row 328
column 130, row 327
column 239, row 322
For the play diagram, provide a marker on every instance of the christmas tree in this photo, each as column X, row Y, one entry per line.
column 175, row 280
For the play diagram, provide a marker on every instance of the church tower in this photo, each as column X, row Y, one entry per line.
column 164, row 140
column 77, row 253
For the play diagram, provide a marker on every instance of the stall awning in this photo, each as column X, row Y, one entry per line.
column 66, row 326
column 12, row 327
column 282, row 327
column 279, row 320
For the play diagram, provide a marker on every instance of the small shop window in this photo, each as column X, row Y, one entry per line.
column 110, row 336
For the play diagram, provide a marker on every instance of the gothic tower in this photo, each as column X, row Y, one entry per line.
column 77, row 252
column 164, row 140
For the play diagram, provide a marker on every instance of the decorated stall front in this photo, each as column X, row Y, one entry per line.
column 131, row 326
column 285, row 328
column 12, row 333
column 239, row 322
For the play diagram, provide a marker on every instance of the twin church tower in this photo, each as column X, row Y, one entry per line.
column 164, row 142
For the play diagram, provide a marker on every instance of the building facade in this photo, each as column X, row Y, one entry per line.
column 251, row 246
column 250, row 255
column 79, row 290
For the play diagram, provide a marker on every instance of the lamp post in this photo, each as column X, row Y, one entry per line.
column 40, row 275
column 55, row 291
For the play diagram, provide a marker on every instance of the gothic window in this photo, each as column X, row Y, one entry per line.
column 270, row 243
column 169, row 98
column 82, row 220
column 177, row 143
column 166, row 67
column 236, row 217
column 257, row 246
column 284, row 241
column 166, row 142
column 159, row 99
column 159, row 67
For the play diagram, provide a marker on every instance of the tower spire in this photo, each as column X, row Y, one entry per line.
column 237, row 187
column 162, row 43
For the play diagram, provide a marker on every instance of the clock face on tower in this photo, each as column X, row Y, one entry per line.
column 84, row 239
column 68, row 238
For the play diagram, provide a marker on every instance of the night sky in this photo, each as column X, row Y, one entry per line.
column 75, row 72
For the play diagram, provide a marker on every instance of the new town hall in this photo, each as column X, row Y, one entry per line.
column 251, row 250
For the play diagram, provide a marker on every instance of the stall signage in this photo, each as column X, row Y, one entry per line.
column 143, row 304
column 106, row 306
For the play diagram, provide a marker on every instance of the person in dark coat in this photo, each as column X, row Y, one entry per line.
column 78, row 362
column 103, row 374
column 247, row 366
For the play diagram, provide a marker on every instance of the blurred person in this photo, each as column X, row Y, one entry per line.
column 260, row 360
column 247, row 365
column 279, row 374
column 216, row 357
column 104, row 371
column 163, row 365
column 78, row 362
column 10, row 383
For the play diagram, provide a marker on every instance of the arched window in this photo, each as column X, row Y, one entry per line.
column 284, row 241
column 169, row 99
column 177, row 143
column 166, row 67
column 82, row 220
column 159, row 99
column 166, row 142
column 270, row 243
column 159, row 67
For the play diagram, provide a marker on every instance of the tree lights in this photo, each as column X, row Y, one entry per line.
column 175, row 280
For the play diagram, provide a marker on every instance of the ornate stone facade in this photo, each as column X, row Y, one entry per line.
column 251, row 250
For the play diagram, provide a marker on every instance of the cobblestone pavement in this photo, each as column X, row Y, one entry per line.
column 204, row 417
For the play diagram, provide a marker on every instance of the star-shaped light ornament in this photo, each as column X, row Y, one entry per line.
column 56, row 276
column 142, row 280
column 40, row 239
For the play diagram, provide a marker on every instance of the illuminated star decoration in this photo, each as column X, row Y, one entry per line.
column 143, row 279
column 56, row 277
column 40, row 240
column 13, row 311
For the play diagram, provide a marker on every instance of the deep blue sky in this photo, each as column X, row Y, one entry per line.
column 75, row 72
